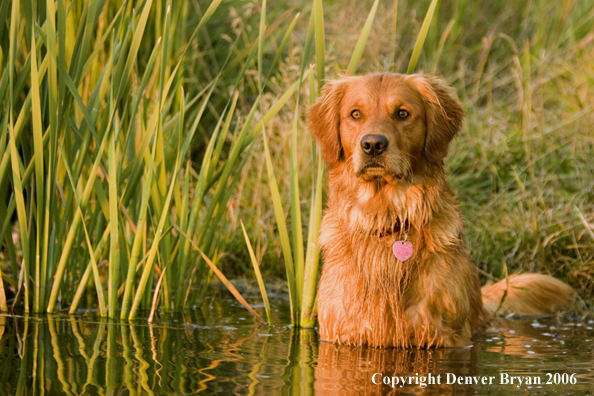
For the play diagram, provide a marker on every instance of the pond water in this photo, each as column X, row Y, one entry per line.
column 220, row 349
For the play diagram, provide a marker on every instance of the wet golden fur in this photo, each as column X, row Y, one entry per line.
column 366, row 295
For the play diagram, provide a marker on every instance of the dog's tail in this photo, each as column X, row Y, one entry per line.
column 528, row 295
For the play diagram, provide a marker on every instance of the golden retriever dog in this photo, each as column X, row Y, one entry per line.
column 396, row 270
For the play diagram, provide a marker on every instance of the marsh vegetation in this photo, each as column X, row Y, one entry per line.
column 139, row 138
column 153, row 150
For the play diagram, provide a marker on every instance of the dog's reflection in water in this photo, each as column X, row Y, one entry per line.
column 346, row 370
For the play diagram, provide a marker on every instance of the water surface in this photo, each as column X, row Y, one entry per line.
column 220, row 349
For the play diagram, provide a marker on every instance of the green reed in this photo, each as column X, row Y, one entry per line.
column 101, row 125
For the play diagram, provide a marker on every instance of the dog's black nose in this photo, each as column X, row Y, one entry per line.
column 374, row 144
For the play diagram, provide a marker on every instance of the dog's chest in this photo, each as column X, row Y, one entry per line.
column 366, row 292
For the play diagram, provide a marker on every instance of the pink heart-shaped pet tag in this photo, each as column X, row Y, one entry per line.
column 402, row 250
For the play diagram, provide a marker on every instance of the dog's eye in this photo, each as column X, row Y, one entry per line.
column 355, row 114
column 402, row 114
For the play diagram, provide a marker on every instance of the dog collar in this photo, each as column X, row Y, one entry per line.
column 402, row 248
column 396, row 229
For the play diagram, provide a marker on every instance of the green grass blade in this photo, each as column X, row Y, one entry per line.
column 53, row 131
column 260, row 89
column 320, row 41
column 10, row 65
column 421, row 38
column 296, row 226
column 358, row 52
column 39, row 174
column 114, row 250
column 310, row 282
column 182, row 205
column 13, row 155
column 393, row 33
column 165, row 52
column 283, row 233
column 185, row 198
column 61, row 30
column 256, row 266
column 21, row 213
column 261, row 44
column 159, row 189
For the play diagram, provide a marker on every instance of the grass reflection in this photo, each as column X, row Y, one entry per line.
column 305, row 352
column 349, row 370
column 55, row 343
column 207, row 352
column 129, row 365
column 144, row 365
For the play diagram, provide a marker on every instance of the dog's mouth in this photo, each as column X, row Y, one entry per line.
column 377, row 172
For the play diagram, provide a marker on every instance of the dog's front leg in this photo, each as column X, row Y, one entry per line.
column 443, row 303
column 337, row 301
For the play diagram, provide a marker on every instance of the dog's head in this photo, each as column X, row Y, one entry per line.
column 386, row 126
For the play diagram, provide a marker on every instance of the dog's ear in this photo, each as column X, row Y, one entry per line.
column 445, row 115
column 324, row 120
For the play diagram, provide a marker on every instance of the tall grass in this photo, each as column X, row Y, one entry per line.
column 94, row 168
column 520, row 167
column 135, row 130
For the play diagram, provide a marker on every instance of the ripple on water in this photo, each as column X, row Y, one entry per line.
column 222, row 350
